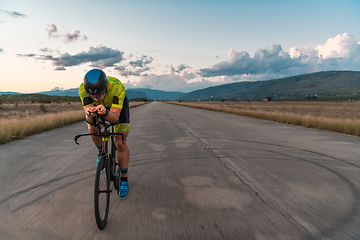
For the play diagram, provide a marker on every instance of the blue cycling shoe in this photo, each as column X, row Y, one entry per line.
column 124, row 189
column 97, row 163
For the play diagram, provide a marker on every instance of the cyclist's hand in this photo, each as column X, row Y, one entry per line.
column 101, row 110
column 90, row 111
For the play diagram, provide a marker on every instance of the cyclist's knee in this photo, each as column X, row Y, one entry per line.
column 92, row 129
column 121, row 144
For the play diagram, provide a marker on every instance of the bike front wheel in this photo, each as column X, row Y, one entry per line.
column 114, row 166
column 102, row 193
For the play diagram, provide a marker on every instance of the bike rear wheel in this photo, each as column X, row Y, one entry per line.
column 102, row 193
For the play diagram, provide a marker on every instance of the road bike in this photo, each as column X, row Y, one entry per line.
column 108, row 169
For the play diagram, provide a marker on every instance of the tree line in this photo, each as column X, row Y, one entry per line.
column 35, row 98
column 43, row 98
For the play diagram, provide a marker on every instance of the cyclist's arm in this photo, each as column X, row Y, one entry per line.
column 89, row 113
column 115, row 109
column 113, row 114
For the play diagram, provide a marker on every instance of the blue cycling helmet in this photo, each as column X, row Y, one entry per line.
column 95, row 81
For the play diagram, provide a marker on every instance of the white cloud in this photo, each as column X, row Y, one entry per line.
column 66, row 37
column 187, row 75
column 339, row 53
column 271, row 59
column 185, row 82
column 342, row 46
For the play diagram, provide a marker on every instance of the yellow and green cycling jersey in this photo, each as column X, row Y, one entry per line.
column 114, row 97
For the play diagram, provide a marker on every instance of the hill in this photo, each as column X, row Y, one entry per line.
column 131, row 93
column 158, row 94
column 330, row 83
column 69, row 92
column 7, row 93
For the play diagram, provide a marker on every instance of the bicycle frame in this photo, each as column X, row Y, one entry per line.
column 105, row 159
column 104, row 132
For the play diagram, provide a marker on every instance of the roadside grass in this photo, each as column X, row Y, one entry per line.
column 17, row 123
column 341, row 117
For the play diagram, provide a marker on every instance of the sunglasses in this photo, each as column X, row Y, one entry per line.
column 98, row 95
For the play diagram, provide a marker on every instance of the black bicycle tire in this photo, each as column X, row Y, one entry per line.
column 101, row 221
column 114, row 169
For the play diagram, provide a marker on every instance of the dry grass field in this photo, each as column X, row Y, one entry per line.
column 24, row 119
column 342, row 117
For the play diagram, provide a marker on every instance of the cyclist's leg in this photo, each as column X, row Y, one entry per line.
column 96, row 140
column 123, row 126
column 123, row 154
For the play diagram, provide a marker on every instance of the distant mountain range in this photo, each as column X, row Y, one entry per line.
column 131, row 93
column 330, row 83
column 153, row 94
column 9, row 93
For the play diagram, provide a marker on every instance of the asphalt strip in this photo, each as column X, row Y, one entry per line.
column 257, row 188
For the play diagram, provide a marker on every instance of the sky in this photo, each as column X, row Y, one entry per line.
column 173, row 45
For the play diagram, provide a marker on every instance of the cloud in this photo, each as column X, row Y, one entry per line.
column 66, row 37
column 179, row 68
column 14, row 14
column 175, row 80
column 100, row 57
column 188, row 75
column 142, row 62
column 46, row 50
column 125, row 71
column 60, row 69
column 272, row 59
column 72, row 37
column 57, row 88
column 342, row 46
column 26, row 55
column 171, row 82
column 52, row 29
column 135, row 68
column 339, row 53
column 1, row 50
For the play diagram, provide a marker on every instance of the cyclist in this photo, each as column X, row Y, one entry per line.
column 106, row 96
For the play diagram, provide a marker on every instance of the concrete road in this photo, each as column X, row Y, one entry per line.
column 194, row 174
